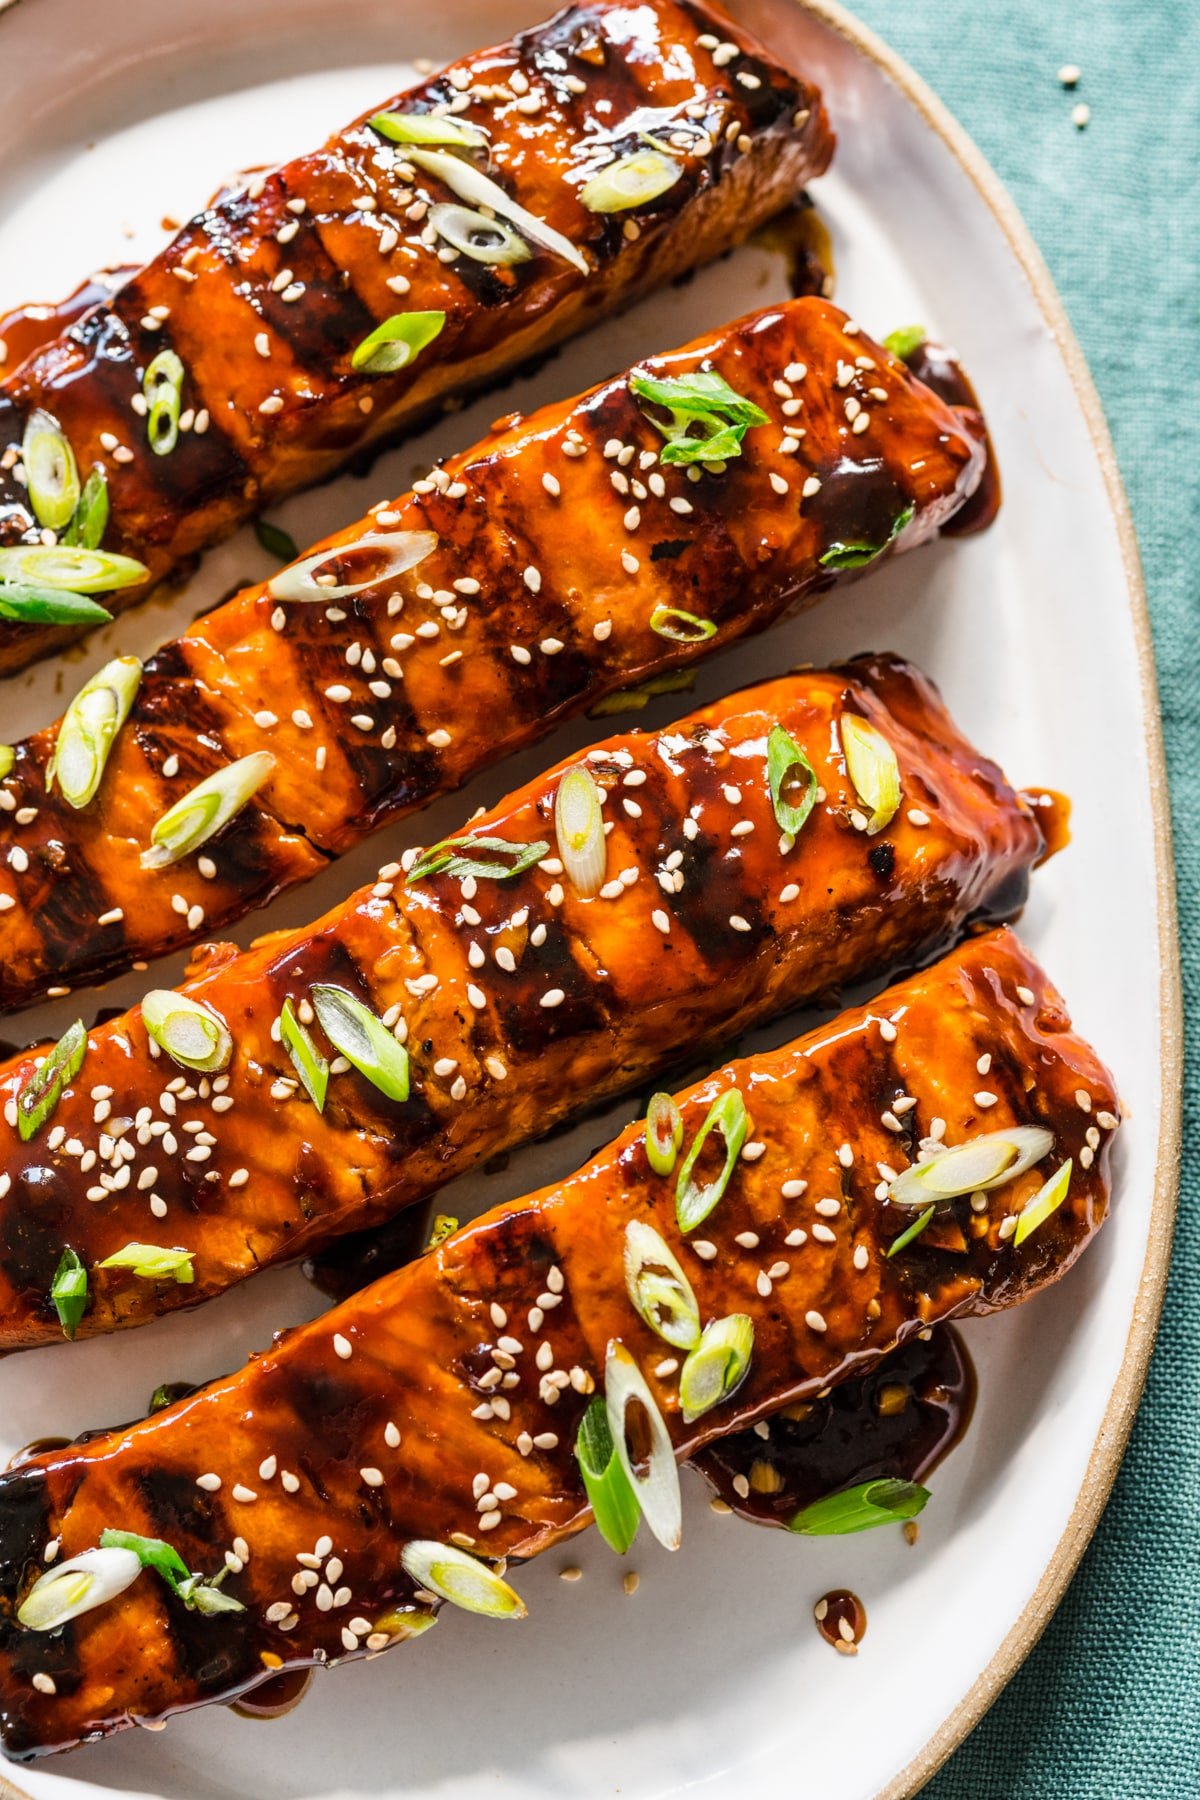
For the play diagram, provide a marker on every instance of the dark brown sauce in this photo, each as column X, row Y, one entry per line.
column 801, row 235
column 26, row 328
column 39, row 1447
column 276, row 1698
column 841, row 1619
column 899, row 1420
column 1053, row 813
column 934, row 365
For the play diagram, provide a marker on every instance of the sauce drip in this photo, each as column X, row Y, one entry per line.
column 1053, row 813
column 801, row 235
column 26, row 328
column 841, row 1619
column 934, row 365
column 39, row 1447
column 276, row 1698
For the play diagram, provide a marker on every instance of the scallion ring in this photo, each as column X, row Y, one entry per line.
column 910, row 1233
column 198, row 1593
column 363, row 1039
column 632, row 180
column 463, row 1580
column 905, row 340
column 579, row 830
column 873, row 770
column 857, row 555
column 786, row 763
column 486, row 858
column 8, row 757
column 664, row 1133
column 162, row 385
column 191, row 1033
column 707, row 419
column 70, row 567
column 51, row 472
column 307, row 1060
column 87, row 527
column 427, row 128
column 658, row 1289
column 41, row 1090
column 978, row 1164
column 152, row 1262
column 89, row 728
column 613, row 1501
column 1047, row 1200
column 394, row 344
column 681, row 627
column 478, row 189
column 202, row 812
column 474, row 234
column 717, row 1366
column 884, row 1501
column 657, row 1490
column 694, row 1200
column 398, row 551
column 75, row 1587
column 69, row 1291
column 30, row 605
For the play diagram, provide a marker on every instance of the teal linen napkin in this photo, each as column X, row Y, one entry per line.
column 1108, row 1705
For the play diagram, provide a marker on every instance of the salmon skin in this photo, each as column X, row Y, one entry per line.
column 356, row 1434
column 267, row 297
column 561, row 560
column 519, row 1000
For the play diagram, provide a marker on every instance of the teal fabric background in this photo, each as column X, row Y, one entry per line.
column 1108, row 1705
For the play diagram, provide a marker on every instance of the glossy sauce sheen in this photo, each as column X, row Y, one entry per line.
column 290, row 1435
column 25, row 329
column 302, row 256
column 375, row 706
column 521, row 1002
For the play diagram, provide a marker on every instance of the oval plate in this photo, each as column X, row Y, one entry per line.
column 714, row 1673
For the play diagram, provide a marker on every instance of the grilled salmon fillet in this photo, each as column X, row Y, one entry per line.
column 562, row 560
column 320, row 1463
column 518, row 999
column 266, row 298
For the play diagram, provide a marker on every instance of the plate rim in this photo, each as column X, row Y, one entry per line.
column 1116, row 1424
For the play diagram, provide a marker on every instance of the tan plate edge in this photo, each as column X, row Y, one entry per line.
column 1115, row 1427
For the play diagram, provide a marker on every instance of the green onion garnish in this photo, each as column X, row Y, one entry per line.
column 873, row 769
column 8, row 757
column 708, row 419
column 579, row 830
column 202, row 1595
column 427, row 128
column 695, row 1200
column 444, row 1226
column 167, row 1393
column 905, row 340
column 153, row 1263
column 885, row 1501
column 73, row 569
column 717, row 1366
column 658, row 1289
column 399, row 550
column 69, row 1291
column 27, row 605
column 202, row 812
column 75, row 1587
column 786, row 762
column 276, row 541
column 609, row 1493
column 191, row 1033
column 635, row 699
column 483, row 857
column 856, row 556
column 978, row 1164
column 485, row 240
column 477, row 189
column 394, row 344
column 657, row 1491
column 89, row 729
column 461, row 1579
column 1047, row 1200
column 42, row 1088
column 307, row 1060
column 681, row 627
column 87, row 528
column 632, row 180
column 51, row 473
column 664, row 1133
column 910, row 1232
column 363, row 1039
column 162, row 384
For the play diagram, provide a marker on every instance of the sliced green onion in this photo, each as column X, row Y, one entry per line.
column 202, row 812
column 402, row 551
column 69, row 1291
column 657, row 1490
column 717, row 1366
column 190, row 1032
column 632, row 180
column 73, row 569
column 75, row 1587
column 681, row 627
column 905, row 340
column 404, row 1622
column 153, row 1263
column 477, row 189
column 363, row 1039
column 427, row 128
column 885, row 1501
column 910, row 1232
column 635, row 699
column 8, row 757
column 276, row 541
column 612, row 1499
column 167, row 1393
column 394, row 344
column 444, row 1226
column 483, row 857
column 51, row 472
column 664, row 1133
column 162, row 384
column 1047, row 1200
column 579, row 830
column 307, row 1060
column 978, row 1164
column 199, row 1594
column 89, row 728
column 708, row 419
column 693, row 1200
column 48, row 606
column 87, row 528
column 785, row 762
column 474, row 234
column 42, row 1089
column 857, row 556
column 461, row 1579
column 658, row 1289
column 873, row 769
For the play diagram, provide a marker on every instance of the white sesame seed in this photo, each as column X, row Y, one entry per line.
column 342, row 1346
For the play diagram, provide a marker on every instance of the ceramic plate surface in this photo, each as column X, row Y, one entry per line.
column 712, row 1677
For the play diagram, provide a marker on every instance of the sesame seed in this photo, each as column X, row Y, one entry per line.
column 210, row 1483
column 372, row 1477
column 342, row 1346
column 985, row 1099
column 815, row 1321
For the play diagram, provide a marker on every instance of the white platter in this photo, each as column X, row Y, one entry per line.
column 712, row 1676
